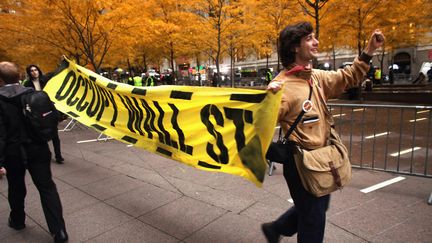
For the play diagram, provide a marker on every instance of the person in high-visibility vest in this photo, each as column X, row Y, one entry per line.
column 130, row 80
column 150, row 81
column 268, row 76
column 377, row 75
column 137, row 81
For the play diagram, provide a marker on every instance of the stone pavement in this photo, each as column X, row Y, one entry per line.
column 115, row 193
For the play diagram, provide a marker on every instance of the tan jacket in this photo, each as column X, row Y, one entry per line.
column 313, row 129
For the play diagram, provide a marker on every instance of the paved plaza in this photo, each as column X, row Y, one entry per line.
column 115, row 193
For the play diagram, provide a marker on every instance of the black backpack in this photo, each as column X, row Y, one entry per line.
column 41, row 115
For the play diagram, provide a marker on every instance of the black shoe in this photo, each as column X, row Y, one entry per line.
column 270, row 234
column 59, row 160
column 16, row 226
column 61, row 236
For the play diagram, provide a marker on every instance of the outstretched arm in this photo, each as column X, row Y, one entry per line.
column 335, row 82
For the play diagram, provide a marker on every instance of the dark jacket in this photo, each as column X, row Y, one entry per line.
column 43, row 81
column 28, row 83
column 13, row 131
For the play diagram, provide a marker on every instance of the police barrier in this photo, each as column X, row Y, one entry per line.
column 225, row 130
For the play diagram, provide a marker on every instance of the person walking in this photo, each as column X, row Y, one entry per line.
column 215, row 80
column 268, row 76
column 377, row 75
column 298, row 81
column 37, row 81
column 149, row 81
column 18, row 152
column 429, row 74
column 137, row 80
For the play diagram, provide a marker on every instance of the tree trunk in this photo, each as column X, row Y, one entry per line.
column 317, row 30
column 334, row 57
column 267, row 61
column 359, row 31
column 145, row 63
column 382, row 59
column 232, row 67
column 278, row 56
column 174, row 74
column 317, row 24
column 129, row 65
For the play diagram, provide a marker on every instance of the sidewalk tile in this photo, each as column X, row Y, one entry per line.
column 87, row 175
column 133, row 231
column 143, row 199
column 93, row 221
column 111, row 186
column 182, row 217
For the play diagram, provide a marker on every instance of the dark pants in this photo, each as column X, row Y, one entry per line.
column 307, row 217
column 38, row 165
column 56, row 145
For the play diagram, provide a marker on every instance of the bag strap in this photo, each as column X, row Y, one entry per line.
column 329, row 119
column 297, row 120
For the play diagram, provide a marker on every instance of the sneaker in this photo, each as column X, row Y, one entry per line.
column 16, row 226
column 270, row 234
column 59, row 160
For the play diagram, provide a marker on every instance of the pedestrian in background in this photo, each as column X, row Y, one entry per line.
column 429, row 74
column 391, row 75
column 268, row 76
column 377, row 75
column 215, row 80
column 37, row 81
column 19, row 152
column 298, row 81
column 150, row 81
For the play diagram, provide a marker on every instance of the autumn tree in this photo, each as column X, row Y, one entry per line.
column 335, row 36
column 235, row 42
column 195, row 41
column 91, row 25
column 314, row 8
column 83, row 29
column 133, row 47
column 147, row 32
column 217, row 17
column 17, row 44
column 167, row 18
column 268, row 18
column 412, row 28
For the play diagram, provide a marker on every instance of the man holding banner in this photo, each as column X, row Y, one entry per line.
column 298, row 81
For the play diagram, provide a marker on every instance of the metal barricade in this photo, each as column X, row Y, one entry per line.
column 393, row 138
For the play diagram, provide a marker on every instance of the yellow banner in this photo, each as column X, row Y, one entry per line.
column 215, row 129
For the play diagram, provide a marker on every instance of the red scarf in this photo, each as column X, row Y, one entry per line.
column 297, row 69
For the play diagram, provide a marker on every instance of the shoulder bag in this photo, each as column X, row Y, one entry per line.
column 321, row 170
column 279, row 151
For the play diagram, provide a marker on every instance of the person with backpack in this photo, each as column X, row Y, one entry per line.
column 37, row 81
column 20, row 151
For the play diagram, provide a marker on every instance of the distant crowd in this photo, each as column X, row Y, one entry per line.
column 150, row 78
